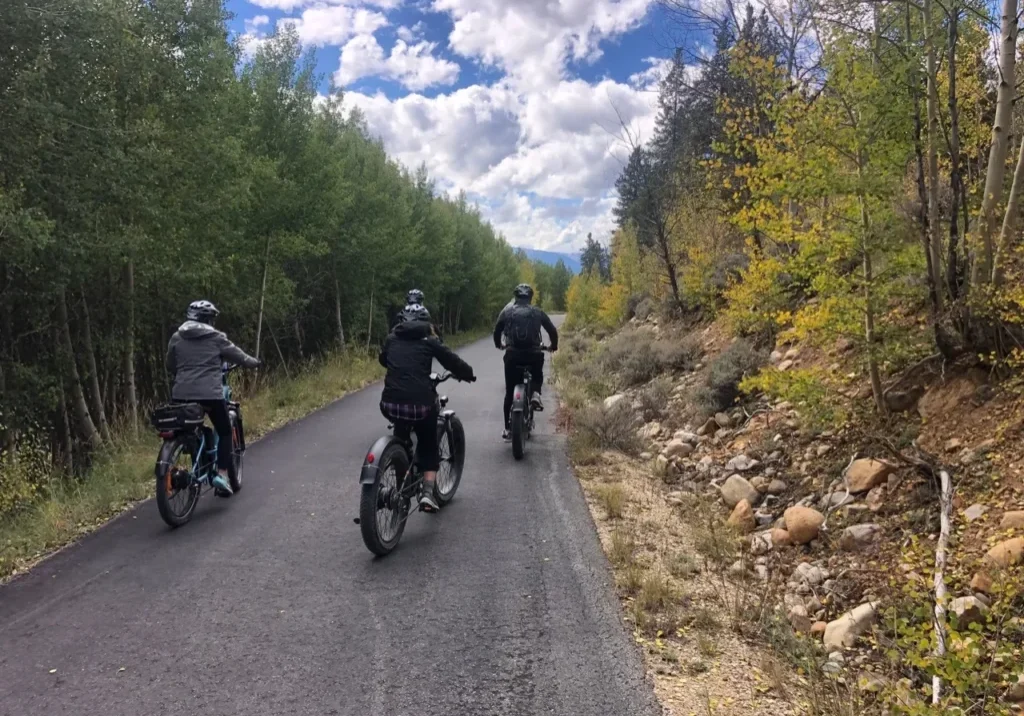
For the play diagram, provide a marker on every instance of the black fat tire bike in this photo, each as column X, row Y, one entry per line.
column 391, row 481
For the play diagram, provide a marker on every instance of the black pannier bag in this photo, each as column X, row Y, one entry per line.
column 177, row 416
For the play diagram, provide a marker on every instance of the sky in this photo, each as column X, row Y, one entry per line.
column 519, row 103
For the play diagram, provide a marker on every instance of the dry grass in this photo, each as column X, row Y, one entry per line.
column 613, row 499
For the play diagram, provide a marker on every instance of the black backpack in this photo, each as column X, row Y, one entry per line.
column 521, row 327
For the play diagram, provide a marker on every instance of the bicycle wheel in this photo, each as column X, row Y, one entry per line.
column 518, row 435
column 176, row 493
column 236, row 455
column 451, row 445
column 382, row 510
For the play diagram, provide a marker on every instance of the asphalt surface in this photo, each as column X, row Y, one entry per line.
column 269, row 603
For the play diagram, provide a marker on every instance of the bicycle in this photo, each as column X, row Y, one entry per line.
column 390, row 479
column 188, row 440
column 521, row 418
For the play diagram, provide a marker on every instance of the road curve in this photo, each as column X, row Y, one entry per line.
column 270, row 604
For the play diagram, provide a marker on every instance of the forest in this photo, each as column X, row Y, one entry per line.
column 145, row 162
column 831, row 170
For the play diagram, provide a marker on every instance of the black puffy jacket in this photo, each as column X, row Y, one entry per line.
column 520, row 323
column 409, row 354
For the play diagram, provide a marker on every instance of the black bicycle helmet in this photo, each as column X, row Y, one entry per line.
column 524, row 291
column 415, row 312
column 202, row 311
column 414, row 296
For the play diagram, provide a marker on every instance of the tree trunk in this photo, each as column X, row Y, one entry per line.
column 1009, row 219
column 299, row 339
column 369, row 327
column 131, row 396
column 869, row 309
column 86, row 428
column 955, row 178
column 945, row 510
column 981, row 272
column 922, row 188
column 95, row 394
column 66, row 446
column 263, row 296
column 934, row 235
column 337, row 313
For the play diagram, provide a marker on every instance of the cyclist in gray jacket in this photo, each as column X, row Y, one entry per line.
column 195, row 357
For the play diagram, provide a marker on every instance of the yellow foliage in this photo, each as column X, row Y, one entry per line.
column 614, row 303
column 583, row 300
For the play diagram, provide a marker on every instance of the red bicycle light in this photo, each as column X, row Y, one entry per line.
column 369, row 458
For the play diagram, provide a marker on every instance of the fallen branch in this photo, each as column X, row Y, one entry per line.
column 945, row 502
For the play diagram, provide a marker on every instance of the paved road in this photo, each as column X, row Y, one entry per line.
column 270, row 604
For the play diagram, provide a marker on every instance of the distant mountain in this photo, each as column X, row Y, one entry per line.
column 551, row 258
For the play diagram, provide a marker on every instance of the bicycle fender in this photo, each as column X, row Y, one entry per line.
column 369, row 471
column 519, row 398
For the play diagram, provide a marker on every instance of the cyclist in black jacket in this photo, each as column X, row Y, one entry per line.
column 409, row 399
column 415, row 297
column 519, row 325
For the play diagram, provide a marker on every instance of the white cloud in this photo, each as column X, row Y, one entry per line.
column 563, row 147
column 410, row 34
column 533, row 39
column 650, row 78
column 333, row 25
column 412, row 65
column 290, row 5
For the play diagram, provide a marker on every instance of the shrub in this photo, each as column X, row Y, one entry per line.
column 620, row 552
column 654, row 398
column 679, row 354
column 721, row 386
column 807, row 389
column 613, row 429
column 613, row 499
column 22, row 478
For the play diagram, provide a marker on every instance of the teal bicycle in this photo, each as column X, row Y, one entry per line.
column 187, row 462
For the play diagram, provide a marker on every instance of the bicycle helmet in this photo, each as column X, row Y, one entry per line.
column 524, row 291
column 415, row 312
column 202, row 311
column 415, row 296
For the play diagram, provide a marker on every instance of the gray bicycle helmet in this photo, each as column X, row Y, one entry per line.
column 415, row 312
column 415, row 296
column 202, row 311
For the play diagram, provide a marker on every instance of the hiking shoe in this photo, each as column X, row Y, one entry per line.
column 427, row 501
column 221, row 488
column 506, row 434
column 536, row 403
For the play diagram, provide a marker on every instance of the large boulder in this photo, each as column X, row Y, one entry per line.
column 613, row 400
column 803, row 523
column 677, row 448
column 867, row 473
column 968, row 610
column 844, row 631
column 742, row 517
column 1007, row 553
column 736, row 489
column 781, row 537
column 857, row 538
column 1012, row 520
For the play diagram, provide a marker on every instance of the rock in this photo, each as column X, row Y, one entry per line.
column 741, row 463
column 777, row 487
column 807, row 573
column 822, row 450
column 1015, row 694
column 649, row 431
column 705, row 464
column 876, row 498
column 761, row 543
column 867, row 473
column 775, row 357
column 954, row 444
column 736, row 489
column 738, row 568
column 677, row 449
column 968, row 610
column 708, row 428
column 1012, row 520
column 723, row 420
column 837, row 657
column 792, row 354
column 742, row 517
column 612, row 400
column 975, row 512
column 785, row 365
column 803, row 523
column 799, row 620
column 903, row 401
column 780, row 537
column 687, row 437
column 844, row 631
column 1007, row 553
column 836, row 498
column 690, row 486
column 763, row 519
column 818, row 629
column 646, row 456
column 761, row 570
column 857, row 538
column 760, row 483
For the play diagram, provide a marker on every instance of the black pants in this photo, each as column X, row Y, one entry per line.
column 218, row 412
column 427, row 452
column 515, row 361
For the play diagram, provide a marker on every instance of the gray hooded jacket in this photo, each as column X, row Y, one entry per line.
column 194, row 357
